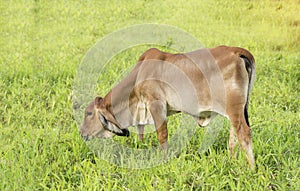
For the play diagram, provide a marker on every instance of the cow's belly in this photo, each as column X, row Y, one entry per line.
column 203, row 114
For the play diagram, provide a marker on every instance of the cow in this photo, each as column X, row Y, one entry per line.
column 202, row 83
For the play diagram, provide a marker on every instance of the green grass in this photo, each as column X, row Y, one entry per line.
column 43, row 43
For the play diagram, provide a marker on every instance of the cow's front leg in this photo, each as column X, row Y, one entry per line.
column 141, row 132
column 162, row 134
column 158, row 111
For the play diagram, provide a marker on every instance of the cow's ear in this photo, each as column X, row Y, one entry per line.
column 98, row 101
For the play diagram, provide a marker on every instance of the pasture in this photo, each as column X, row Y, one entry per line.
column 44, row 42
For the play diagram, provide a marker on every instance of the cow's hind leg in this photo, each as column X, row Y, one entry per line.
column 232, row 142
column 237, row 116
column 243, row 133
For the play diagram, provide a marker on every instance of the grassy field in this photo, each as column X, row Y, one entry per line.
column 43, row 43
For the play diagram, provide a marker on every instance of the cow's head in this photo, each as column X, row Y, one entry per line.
column 99, row 122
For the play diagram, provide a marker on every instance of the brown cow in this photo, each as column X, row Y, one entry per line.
column 202, row 83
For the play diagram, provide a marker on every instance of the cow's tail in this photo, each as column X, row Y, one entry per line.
column 250, row 67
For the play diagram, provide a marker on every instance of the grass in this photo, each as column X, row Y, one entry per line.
column 43, row 43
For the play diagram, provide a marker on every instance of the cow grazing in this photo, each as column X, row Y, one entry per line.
column 202, row 83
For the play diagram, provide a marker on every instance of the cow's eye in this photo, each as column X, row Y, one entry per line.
column 89, row 113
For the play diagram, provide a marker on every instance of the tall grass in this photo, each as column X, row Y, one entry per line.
column 43, row 42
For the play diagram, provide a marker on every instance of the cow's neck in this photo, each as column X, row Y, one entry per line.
column 118, row 99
